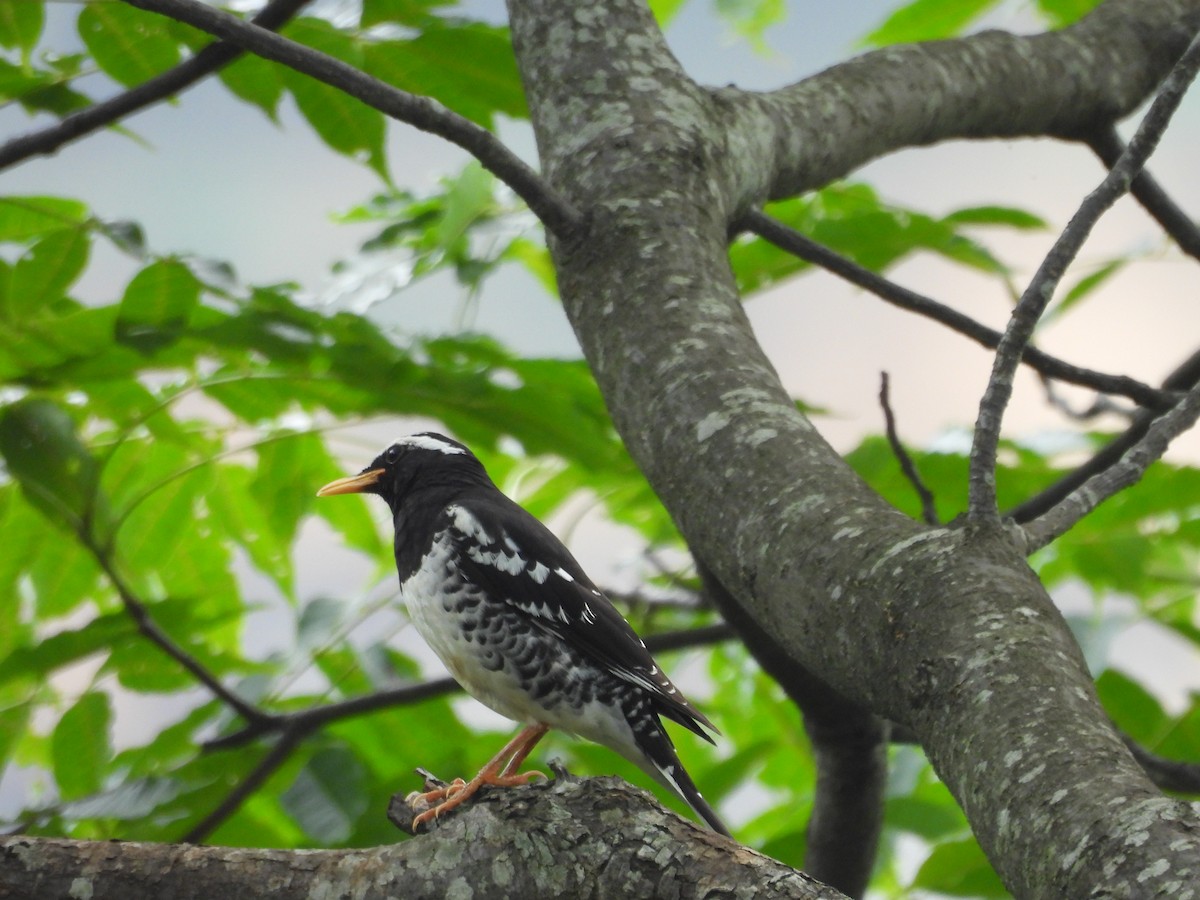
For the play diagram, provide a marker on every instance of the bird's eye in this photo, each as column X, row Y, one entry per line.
column 391, row 454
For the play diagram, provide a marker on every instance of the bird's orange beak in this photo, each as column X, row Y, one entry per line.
column 353, row 484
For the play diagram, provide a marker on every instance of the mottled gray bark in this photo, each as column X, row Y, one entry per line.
column 945, row 630
column 593, row 838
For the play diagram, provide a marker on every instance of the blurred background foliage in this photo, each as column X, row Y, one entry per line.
column 161, row 451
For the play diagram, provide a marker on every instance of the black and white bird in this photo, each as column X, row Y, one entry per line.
column 516, row 621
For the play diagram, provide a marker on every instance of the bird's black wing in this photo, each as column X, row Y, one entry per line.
column 515, row 558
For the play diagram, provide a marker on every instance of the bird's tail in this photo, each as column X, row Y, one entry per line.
column 662, row 763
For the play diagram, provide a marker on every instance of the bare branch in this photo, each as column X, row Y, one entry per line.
column 928, row 507
column 849, row 748
column 1107, row 145
column 165, row 84
column 147, row 626
column 982, row 478
column 1185, row 376
column 1169, row 774
column 1059, row 519
column 806, row 248
column 254, row 779
column 425, row 113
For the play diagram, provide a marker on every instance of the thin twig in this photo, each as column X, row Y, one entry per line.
column 165, row 84
column 1183, row 378
column 806, row 248
column 1101, row 404
column 982, row 477
column 319, row 716
column 1107, row 145
column 928, row 507
column 1061, row 517
column 254, row 779
column 146, row 625
column 424, row 113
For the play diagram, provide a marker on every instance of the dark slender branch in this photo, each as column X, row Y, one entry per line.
column 1185, row 376
column 1100, row 405
column 1168, row 774
column 982, row 477
column 555, row 212
column 1132, row 465
column 928, row 507
column 1107, row 145
column 809, row 250
column 149, row 628
column 319, row 716
column 254, row 779
column 165, row 84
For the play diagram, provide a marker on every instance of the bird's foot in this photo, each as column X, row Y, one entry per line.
column 442, row 799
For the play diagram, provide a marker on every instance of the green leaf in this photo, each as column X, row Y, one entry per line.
column 130, row 45
column 256, row 81
column 1084, row 287
column 157, row 305
column 1009, row 216
column 666, row 10
column 134, row 799
column 469, row 199
column 1060, row 13
column 22, row 218
column 327, row 797
column 536, row 259
column 928, row 20
column 960, row 869
column 45, row 271
column 1133, row 708
column 67, row 647
column 468, row 67
column 752, row 18
column 400, row 12
column 56, row 472
column 80, row 746
column 21, row 23
column 343, row 123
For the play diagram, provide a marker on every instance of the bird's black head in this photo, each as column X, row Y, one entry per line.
column 419, row 461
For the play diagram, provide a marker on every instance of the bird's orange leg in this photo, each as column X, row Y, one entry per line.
column 501, row 771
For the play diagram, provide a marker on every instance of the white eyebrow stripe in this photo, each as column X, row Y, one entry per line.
column 428, row 442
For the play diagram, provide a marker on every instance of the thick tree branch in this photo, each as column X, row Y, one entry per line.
column 804, row 247
column 1066, row 83
column 420, row 112
column 982, row 478
column 603, row 838
column 850, row 749
column 166, row 84
column 945, row 631
column 1107, row 145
